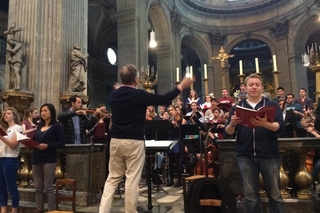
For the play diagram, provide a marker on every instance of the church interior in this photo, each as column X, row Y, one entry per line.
column 219, row 41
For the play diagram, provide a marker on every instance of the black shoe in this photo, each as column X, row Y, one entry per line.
column 178, row 184
column 169, row 184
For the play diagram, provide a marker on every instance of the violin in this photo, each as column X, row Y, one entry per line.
column 89, row 110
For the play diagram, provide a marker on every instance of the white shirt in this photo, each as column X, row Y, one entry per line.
column 5, row 150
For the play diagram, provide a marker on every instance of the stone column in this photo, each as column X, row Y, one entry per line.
column 297, row 73
column 50, row 30
column 167, row 73
column 283, row 65
column 217, row 75
column 132, row 37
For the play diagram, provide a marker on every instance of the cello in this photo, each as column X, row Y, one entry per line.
column 206, row 163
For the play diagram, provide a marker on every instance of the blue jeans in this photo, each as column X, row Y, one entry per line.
column 250, row 167
column 8, row 181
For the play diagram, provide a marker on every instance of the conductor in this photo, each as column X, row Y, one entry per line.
column 127, row 145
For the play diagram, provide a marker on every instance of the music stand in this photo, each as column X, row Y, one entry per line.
column 157, row 130
column 192, row 143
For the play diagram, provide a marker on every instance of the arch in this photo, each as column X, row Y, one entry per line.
column 160, row 23
column 198, row 44
column 300, row 34
column 263, row 38
column 108, row 37
column 123, row 5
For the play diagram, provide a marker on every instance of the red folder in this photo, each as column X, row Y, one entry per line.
column 2, row 132
column 29, row 143
column 246, row 114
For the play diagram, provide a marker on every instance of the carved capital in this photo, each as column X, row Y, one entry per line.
column 20, row 100
column 248, row 34
column 176, row 21
column 217, row 38
column 279, row 30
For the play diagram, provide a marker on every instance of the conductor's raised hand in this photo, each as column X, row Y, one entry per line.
column 185, row 83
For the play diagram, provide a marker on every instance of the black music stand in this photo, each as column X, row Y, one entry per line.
column 157, row 130
column 192, row 144
column 149, row 150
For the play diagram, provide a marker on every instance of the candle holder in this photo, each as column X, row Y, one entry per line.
column 312, row 60
column 276, row 78
column 241, row 77
column 177, row 82
column 145, row 80
column 206, row 89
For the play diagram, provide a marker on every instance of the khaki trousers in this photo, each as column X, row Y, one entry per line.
column 127, row 157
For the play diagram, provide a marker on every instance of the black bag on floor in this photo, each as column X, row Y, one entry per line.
column 210, row 188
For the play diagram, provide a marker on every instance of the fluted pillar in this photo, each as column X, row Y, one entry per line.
column 167, row 73
column 50, row 30
column 132, row 36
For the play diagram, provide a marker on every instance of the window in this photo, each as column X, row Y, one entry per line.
column 112, row 56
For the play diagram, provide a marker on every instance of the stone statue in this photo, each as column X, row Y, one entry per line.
column 11, row 32
column 15, row 51
column 78, row 70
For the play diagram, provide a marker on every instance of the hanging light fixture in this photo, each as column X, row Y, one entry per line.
column 152, row 42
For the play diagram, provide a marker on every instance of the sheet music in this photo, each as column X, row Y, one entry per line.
column 161, row 145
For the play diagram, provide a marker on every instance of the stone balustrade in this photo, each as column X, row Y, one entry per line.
column 301, row 177
column 83, row 162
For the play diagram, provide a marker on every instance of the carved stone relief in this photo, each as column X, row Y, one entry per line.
column 217, row 38
column 176, row 21
column 279, row 30
column 248, row 34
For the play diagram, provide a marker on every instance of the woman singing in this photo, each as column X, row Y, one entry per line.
column 28, row 125
column 50, row 136
column 175, row 153
column 9, row 162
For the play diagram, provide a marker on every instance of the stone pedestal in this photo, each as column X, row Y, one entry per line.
column 86, row 163
column 20, row 100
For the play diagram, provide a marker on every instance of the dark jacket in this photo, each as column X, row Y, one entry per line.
column 290, row 121
column 65, row 118
column 258, row 142
column 210, row 188
column 54, row 137
column 128, row 107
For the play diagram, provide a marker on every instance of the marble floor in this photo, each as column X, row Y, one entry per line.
column 161, row 202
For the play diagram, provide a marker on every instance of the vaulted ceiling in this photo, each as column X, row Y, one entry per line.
column 232, row 6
